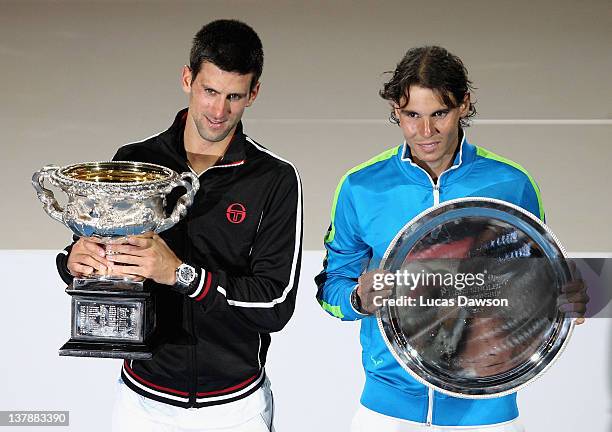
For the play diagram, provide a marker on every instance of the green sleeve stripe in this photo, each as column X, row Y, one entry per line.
column 490, row 155
column 388, row 154
column 334, row 310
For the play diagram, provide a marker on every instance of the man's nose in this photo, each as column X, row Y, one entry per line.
column 219, row 107
column 427, row 127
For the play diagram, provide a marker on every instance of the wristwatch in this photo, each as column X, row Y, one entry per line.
column 185, row 275
column 356, row 302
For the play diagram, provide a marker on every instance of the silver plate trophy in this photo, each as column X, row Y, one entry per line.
column 474, row 310
column 111, row 316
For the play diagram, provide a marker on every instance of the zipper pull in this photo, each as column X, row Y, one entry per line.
column 436, row 194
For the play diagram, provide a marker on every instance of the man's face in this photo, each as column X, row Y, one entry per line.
column 431, row 129
column 217, row 100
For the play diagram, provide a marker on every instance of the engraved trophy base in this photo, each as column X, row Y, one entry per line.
column 130, row 351
column 111, row 319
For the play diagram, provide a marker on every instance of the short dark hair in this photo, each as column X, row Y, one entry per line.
column 434, row 68
column 230, row 45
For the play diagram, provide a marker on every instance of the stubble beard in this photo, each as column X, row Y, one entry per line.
column 209, row 136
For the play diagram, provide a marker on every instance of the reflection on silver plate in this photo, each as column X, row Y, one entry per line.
column 484, row 335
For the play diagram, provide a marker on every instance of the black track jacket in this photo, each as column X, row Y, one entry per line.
column 244, row 230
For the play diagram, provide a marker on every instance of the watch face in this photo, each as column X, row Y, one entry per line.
column 186, row 273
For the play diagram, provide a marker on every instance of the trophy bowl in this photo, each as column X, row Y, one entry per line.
column 475, row 308
column 111, row 200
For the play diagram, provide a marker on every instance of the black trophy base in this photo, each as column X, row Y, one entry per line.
column 112, row 319
column 129, row 351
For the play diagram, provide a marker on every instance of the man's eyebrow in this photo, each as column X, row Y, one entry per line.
column 408, row 111
column 207, row 87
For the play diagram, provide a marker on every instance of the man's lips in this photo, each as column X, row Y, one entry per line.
column 216, row 123
column 428, row 146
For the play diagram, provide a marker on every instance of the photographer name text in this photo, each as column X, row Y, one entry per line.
column 422, row 301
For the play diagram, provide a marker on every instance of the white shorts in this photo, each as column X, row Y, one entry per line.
column 133, row 412
column 366, row 420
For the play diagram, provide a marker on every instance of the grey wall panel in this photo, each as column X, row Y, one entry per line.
column 81, row 78
column 571, row 164
column 88, row 60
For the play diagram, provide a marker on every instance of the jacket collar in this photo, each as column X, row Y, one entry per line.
column 407, row 156
column 174, row 143
column 464, row 155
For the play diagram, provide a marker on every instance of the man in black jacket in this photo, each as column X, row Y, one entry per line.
column 226, row 276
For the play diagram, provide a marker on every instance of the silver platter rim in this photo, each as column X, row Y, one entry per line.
column 568, row 325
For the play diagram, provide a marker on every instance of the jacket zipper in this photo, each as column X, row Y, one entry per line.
column 436, row 193
column 192, row 347
column 430, row 397
column 436, row 200
column 194, row 359
column 190, row 313
column 194, row 356
column 434, row 186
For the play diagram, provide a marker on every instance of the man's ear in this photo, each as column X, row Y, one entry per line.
column 396, row 110
column 253, row 94
column 464, row 108
column 186, row 78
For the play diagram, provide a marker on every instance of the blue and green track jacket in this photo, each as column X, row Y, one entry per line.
column 373, row 201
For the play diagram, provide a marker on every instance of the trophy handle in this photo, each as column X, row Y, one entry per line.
column 45, row 195
column 183, row 203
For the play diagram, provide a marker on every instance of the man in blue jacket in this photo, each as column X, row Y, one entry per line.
column 429, row 94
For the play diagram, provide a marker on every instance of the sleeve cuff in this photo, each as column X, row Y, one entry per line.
column 203, row 286
column 355, row 310
column 348, row 310
column 61, row 261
